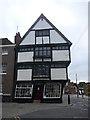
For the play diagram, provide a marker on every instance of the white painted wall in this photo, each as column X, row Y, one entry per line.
column 29, row 39
column 24, row 74
column 42, row 24
column 55, row 37
column 58, row 73
column 60, row 55
column 25, row 56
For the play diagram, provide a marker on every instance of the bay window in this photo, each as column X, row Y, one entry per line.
column 52, row 90
column 23, row 91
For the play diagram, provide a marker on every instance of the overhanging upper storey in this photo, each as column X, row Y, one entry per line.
column 43, row 32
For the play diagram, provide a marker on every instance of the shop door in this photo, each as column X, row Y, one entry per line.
column 38, row 92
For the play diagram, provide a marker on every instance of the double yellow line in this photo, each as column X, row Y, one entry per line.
column 17, row 118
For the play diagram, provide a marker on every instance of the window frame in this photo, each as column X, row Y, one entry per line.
column 42, row 52
column 42, row 33
column 25, row 88
column 4, row 51
column 42, row 36
column 4, row 68
column 50, row 95
column 41, row 71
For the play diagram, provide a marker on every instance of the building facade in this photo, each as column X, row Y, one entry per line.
column 41, row 63
column 70, row 88
column 6, row 68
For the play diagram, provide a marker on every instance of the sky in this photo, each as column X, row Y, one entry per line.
column 70, row 17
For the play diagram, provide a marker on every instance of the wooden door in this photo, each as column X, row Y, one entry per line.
column 38, row 92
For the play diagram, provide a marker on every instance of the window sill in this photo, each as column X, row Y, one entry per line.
column 3, row 73
column 23, row 97
column 4, row 54
column 50, row 97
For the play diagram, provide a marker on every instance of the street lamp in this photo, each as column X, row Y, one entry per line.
column 77, row 87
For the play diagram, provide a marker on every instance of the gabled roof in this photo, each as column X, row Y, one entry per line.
column 5, row 41
column 40, row 17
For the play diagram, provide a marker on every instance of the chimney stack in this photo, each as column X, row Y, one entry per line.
column 17, row 38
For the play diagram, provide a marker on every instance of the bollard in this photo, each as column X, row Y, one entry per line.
column 68, row 99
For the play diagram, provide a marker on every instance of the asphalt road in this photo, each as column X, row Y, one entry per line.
column 78, row 108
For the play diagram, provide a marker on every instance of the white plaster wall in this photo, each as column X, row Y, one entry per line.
column 24, row 74
column 25, row 56
column 29, row 39
column 60, row 55
column 58, row 73
column 55, row 37
column 42, row 24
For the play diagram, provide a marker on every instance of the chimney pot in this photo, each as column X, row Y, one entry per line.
column 17, row 38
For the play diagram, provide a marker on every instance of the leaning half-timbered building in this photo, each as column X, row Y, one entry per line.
column 41, row 63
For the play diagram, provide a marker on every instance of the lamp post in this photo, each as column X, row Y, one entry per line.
column 68, row 92
column 77, row 87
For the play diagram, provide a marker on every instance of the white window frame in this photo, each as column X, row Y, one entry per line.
column 50, row 96
column 20, row 88
column 4, row 68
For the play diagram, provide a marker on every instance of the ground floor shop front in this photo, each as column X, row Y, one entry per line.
column 43, row 91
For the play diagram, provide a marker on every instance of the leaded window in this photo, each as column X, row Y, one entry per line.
column 41, row 71
column 60, row 48
column 52, row 90
column 41, row 33
column 23, row 91
column 25, row 49
column 42, row 36
column 42, row 52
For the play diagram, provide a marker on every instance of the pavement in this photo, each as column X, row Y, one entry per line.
column 49, row 110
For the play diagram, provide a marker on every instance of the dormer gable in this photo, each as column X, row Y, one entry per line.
column 43, row 32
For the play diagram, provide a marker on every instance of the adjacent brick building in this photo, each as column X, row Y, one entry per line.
column 6, row 67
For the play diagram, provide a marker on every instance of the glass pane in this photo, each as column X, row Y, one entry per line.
column 44, row 48
column 40, row 48
column 44, row 53
column 39, row 40
column 52, row 90
column 40, row 53
column 48, row 53
column 45, row 32
column 36, row 33
column 36, row 48
column 48, row 48
column 40, row 33
column 36, row 53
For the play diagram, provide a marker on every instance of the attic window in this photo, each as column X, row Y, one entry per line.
column 41, row 33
